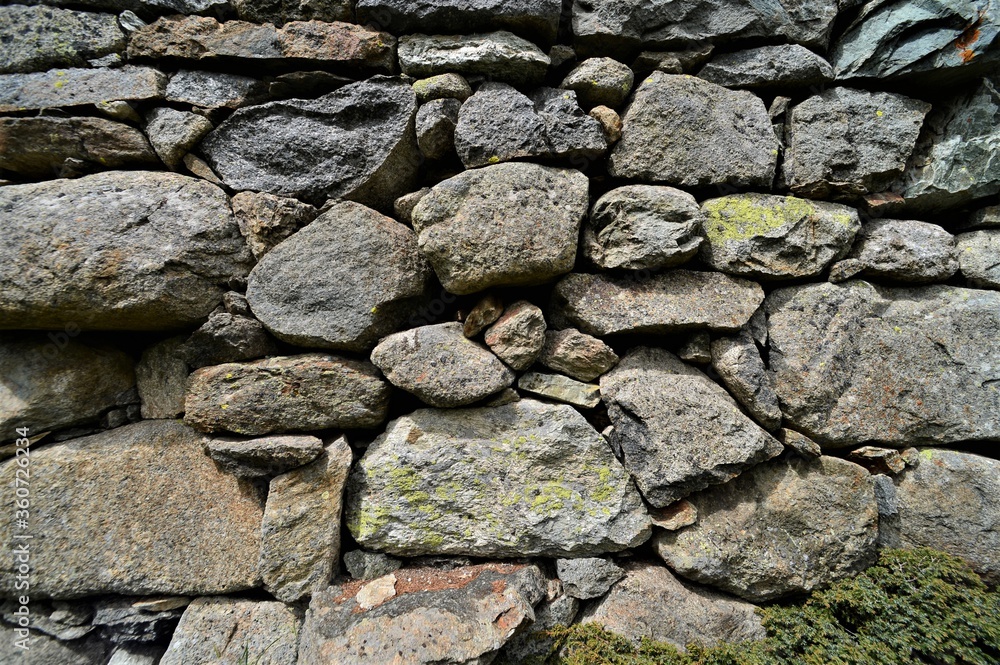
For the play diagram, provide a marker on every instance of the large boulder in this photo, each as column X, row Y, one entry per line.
column 533, row 19
column 107, row 252
column 75, row 87
column 522, row 479
column 856, row 363
column 39, row 38
column 500, row 55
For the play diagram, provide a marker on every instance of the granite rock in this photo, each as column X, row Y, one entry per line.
column 979, row 258
column 600, row 82
column 784, row 66
column 561, row 389
column 500, row 55
column 39, row 38
column 173, row 133
column 576, row 354
column 588, row 577
column 265, row 219
column 161, row 379
column 75, row 87
column 213, row 90
column 264, row 456
column 518, row 335
column 738, row 363
column 899, row 250
column 536, row 20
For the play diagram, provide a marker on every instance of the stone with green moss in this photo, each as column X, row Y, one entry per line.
column 38, row 38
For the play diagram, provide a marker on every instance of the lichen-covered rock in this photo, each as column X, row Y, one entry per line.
column 161, row 379
column 580, row 356
column 783, row 527
column 534, row 19
column 588, row 577
column 342, row 282
column 440, row 365
column 680, row 130
column 208, row 523
column 39, row 38
column 500, row 55
column 784, row 66
column 856, row 363
column 212, row 90
column 739, row 365
column 106, row 252
column 899, row 250
column 265, row 219
column 518, row 335
column 669, row 302
column 436, row 122
column 522, row 479
column 287, row 393
column 503, row 225
column 979, row 257
column 74, row 87
column 283, row 11
column 679, row 432
column 775, row 237
column 264, row 456
column 356, row 143
column 600, row 81
column 442, row 86
column 561, row 389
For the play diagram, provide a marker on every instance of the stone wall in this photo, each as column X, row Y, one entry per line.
column 383, row 331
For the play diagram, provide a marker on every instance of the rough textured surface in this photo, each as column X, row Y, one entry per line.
column 588, row 577
column 227, row 338
column 482, row 314
column 518, row 335
column 534, row 19
column 532, row 643
column 856, row 363
column 173, row 133
column 739, row 365
column 265, row 219
column 39, row 38
column 521, row 479
column 600, row 82
column 362, row 565
column 265, row 456
column 282, row 11
column 783, row 527
column 784, row 66
column 73, row 87
column 442, row 86
column 209, row 523
column 508, row 224
column 105, row 252
column 161, row 379
column 899, row 250
column 321, row 288
column 561, row 389
column 574, row 353
column 683, row 131
column 286, row 393
column 979, row 257
column 440, row 365
column 501, row 55
column 212, row 90
column 678, row 431
column 436, row 128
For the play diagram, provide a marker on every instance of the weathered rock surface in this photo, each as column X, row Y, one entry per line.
column 846, row 142
column 508, row 224
column 979, row 257
column 362, row 565
column 580, row 356
column 588, row 577
column 669, row 302
column 73, row 87
column 265, row 219
column 45, row 650
column 283, row 11
column 522, row 479
column 561, row 388
column 534, row 19
column 106, row 252
column 651, row 602
column 600, row 82
column 500, row 55
column 532, row 642
column 482, row 314
column 679, row 432
column 785, row 66
column 345, row 280
column 435, row 616
column 611, row 123
column 775, row 237
column 855, row 363
column 899, row 250
column 209, row 523
column 683, row 131
column 436, row 122
column 984, row 218
column 800, row 443
column 518, row 335
column 212, row 90
column 265, row 456
column 226, row 338
column 356, row 143
column 676, row 516
column 739, row 365
column 643, row 227
column 783, row 527
column 161, row 379
column 442, row 86
column 173, row 133
column 39, row 38
column 287, row 393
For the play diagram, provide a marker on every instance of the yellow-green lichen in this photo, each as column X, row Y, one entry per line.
column 734, row 218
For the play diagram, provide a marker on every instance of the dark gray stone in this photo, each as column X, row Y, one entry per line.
column 161, row 379
column 362, row 565
column 899, row 250
column 534, row 643
column 500, row 55
column 74, row 87
column 212, row 90
column 282, row 11
column 536, row 20
column 436, row 122
column 739, row 365
column 588, row 577
column 226, row 338
column 979, row 257
column 39, row 38
column 265, row 456
column 784, row 66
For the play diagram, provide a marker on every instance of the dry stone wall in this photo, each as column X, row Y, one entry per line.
column 371, row 332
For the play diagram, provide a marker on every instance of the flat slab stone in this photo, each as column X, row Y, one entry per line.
column 212, row 89
column 499, row 55
column 561, row 389
column 38, row 38
column 782, row 66
column 263, row 456
column 533, row 19
column 74, row 87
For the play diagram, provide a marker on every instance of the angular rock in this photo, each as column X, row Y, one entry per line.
column 208, row 523
column 537, row 20
column 800, row 443
column 611, row 123
column 130, row 654
column 533, row 644
column 436, row 122
column 300, row 532
column 847, row 143
column 561, row 389
column 680, row 130
column 500, row 55
column 643, row 227
column 212, row 90
column 226, row 338
column 45, row 650
column 776, row 237
column 197, row 166
column 440, row 365
column 362, row 565
column 588, row 577
column 522, row 479
column 123, row 623
column 979, row 257
column 119, row 110
column 899, row 250
column 230, row 631
column 856, row 363
column 679, row 431
column 265, row 219
column 697, row 348
column 283, row 11
column 784, row 66
column 187, row 6
column 676, row 516
column 580, row 356
column 458, row 616
column 356, row 143
column 984, row 218
column 739, row 365
column 878, row 460
column 106, row 252
column 783, row 527
column 39, row 146
column 404, row 205
column 347, row 279
column 518, row 335
column 442, row 86
column 161, row 379
column 600, row 82
column 173, row 133
column 503, row 225
column 74, row 87
column 40, row 38
column 482, row 314
column 266, row 456
column 666, row 303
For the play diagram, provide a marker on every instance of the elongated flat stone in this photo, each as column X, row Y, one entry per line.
column 74, row 87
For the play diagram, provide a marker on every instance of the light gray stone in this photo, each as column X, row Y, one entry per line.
column 588, row 577
column 574, row 353
column 362, row 565
column 979, row 257
column 561, row 388
column 899, row 250
column 500, row 55
column 600, row 81
column 173, row 133
column 264, row 456
column 782, row 66
column 45, row 650
column 74, row 87
column 161, row 379
column 442, row 86
column 739, row 365
column 39, row 38
column 212, row 90
column 265, row 219
column 536, row 20
column 518, row 335
column 436, row 128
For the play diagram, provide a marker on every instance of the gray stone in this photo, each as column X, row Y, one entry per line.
column 739, row 365
column 205, row 520
column 676, row 516
column 846, row 142
column 537, row 20
column 678, row 430
column 680, row 130
column 282, row 11
column 198, row 167
column 187, row 6
column 697, row 348
column 74, row 87
column 522, row 479
column 600, row 81
column 877, row 460
column 580, row 356
column 300, row 532
column 588, row 577
column 404, row 205
column 132, row 654
column 231, row 631
column 979, row 257
column 500, row 55
column 433, row 616
column 308, row 84
column 781, row 528
column 265, row 219
column 670, row 302
column 236, row 303
column 119, row 110
column 611, row 123
column 503, row 225
column 533, row 643
column 265, row 456
column 287, row 393
column 40, row 38
column 800, row 443
column 44, row 650
column 775, row 237
column 784, row 66
column 226, row 338
column 123, row 623
column 518, row 335
column 442, row 86
column 106, row 252
column 561, row 389
column 651, row 603
column 345, row 280
column 161, row 378
column 482, row 314
column 39, row 146
column 173, row 133
column 212, row 90
column 984, row 218
column 570, row 133
column 362, row 565
column 642, row 227
column 436, row 122
column 856, row 363
column 899, row 250
column 440, row 365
